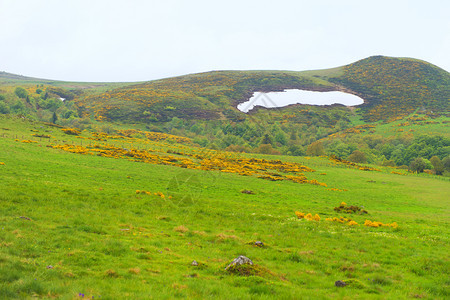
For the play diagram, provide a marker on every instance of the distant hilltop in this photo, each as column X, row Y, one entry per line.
column 391, row 88
column 5, row 76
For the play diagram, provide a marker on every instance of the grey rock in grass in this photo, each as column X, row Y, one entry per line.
column 248, row 192
column 259, row 244
column 241, row 260
column 340, row 283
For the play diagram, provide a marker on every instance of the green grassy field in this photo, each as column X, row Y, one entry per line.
column 72, row 226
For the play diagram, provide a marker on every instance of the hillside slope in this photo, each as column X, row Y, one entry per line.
column 209, row 95
column 10, row 78
column 391, row 87
column 128, row 222
column 395, row 87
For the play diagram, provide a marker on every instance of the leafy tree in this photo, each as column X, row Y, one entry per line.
column 2, row 98
column 4, row 108
column 357, row 157
column 266, row 140
column 267, row 149
column 388, row 163
column 438, row 166
column 373, row 140
column 252, row 133
column 69, row 114
column 418, row 165
column 398, row 155
column 195, row 129
column 176, row 123
column 295, row 150
column 54, row 118
column 386, row 150
column 280, row 137
column 341, row 149
column 231, row 140
column 21, row 92
column 18, row 107
column 293, row 135
column 446, row 163
column 315, row 149
column 51, row 104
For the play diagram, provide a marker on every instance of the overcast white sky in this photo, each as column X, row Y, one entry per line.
column 136, row 40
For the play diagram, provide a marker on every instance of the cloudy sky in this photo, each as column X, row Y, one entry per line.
column 136, row 40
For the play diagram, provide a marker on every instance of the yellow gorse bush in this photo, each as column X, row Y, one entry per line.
column 342, row 220
column 299, row 215
column 308, row 216
column 274, row 170
column 160, row 194
column 398, row 173
column 379, row 224
column 339, row 161
column 143, row 192
column 71, row 131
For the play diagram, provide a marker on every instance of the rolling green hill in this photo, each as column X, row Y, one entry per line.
column 210, row 96
column 391, row 87
column 9, row 77
column 395, row 87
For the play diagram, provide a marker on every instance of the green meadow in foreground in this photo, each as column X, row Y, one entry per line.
column 79, row 226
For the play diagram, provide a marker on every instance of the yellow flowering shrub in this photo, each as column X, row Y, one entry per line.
column 299, row 215
column 308, row 216
column 143, row 192
column 339, row 220
column 379, row 224
column 71, row 131
column 160, row 195
column 339, row 161
column 184, row 157
column 398, row 173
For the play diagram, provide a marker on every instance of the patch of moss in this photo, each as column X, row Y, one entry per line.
column 250, row 270
column 355, row 283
